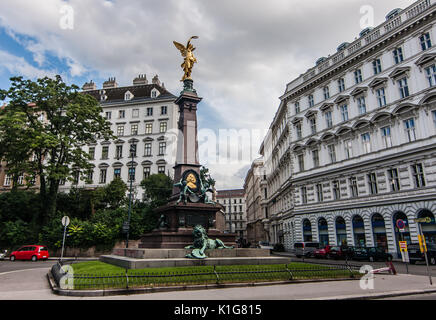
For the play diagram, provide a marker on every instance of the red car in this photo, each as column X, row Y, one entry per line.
column 322, row 253
column 31, row 252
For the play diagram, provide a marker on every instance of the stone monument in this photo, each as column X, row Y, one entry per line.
column 190, row 204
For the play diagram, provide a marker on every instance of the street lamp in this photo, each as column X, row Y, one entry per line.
column 132, row 153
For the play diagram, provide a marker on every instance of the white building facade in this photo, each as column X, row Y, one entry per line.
column 141, row 116
column 235, row 212
column 362, row 139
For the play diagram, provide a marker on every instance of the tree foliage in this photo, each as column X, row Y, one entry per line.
column 52, row 121
column 158, row 188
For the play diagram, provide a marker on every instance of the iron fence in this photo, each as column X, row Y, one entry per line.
column 202, row 275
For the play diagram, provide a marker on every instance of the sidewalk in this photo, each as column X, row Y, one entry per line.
column 290, row 254
column 384, row 286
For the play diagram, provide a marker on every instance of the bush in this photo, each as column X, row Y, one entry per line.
column 279, row 247
column 15, row 233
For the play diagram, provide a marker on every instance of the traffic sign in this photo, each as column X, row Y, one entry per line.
column 65, row 221
column 401, row 225
column 403, row 246
column 422, row 244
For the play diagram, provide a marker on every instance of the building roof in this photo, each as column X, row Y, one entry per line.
column 139, row 92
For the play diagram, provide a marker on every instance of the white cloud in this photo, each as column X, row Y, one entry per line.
column 247, row 49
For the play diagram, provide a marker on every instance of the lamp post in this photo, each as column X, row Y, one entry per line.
column 132, row 153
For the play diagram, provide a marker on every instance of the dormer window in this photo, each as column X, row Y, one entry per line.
column 128, row 96
column 154, row 93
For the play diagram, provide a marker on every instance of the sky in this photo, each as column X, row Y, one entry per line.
column 247, row 51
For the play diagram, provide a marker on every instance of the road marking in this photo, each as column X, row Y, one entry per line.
column 3, row 273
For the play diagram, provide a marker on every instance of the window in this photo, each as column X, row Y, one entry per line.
column 132, row 150
column 147, row 150
column 376, row 66
column 366, row 142
column 381, row 97
column 394, row 180
column 149, row 112
column 336, row 190
column 121, row 114
column 403, row 87
column 127, row 96
column 120, row 131
column 8, row 180
column 117, row 173
column 354, row 191
column 303, row 194
column 91, row 153
column 163, row 127
column 386, row 136
column 103, row 175
column 163, row 110
column 319, row 193
column 153, row 94
column 161, row 169
column 372, row 183
column 315, row 157
column 108, row 115
column 132, row 174
column 148, row 128
column 313, row 125
column 328, row 119
column 326, row 93
column 147, row 171
column 332, row 153
column 434, row 117
column 358, row 76
column 348, row 148
column 398, row 55
column 119, row 152
column 76, row 175
column 361, row 105
column 301, row 162
column 425, row 41
column 311, row 102
column 105, row 152
column 297, row 107
column 341, row 85
column 409, row 127
column 431, row 75
column 418, row 175
column 298, row 130
column 162, row 148
column 135, row 113
column 134, row 129
column 344, row 112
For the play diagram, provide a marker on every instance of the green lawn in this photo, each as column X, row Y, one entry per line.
column 99, row 275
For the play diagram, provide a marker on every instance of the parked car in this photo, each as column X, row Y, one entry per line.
column 322, row 253
column 305, row 248
column 415, row 253
column 3, row 255
column 371, row 254
column 30, row 252
column 340, row 252
column 265, row 245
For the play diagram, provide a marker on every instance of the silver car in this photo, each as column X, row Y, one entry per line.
column 305, row 249
column 3, row 255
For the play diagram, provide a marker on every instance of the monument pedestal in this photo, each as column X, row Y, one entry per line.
column 181, row 219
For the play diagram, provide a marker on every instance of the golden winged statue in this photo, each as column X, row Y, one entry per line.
column 189, row 61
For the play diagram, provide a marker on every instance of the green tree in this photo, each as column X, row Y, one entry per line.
column 59, row 121
column 158, row 188
column 112, row 195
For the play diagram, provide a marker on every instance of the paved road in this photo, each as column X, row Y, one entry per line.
column 431, row 296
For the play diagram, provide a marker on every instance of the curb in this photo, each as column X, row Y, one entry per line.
column 381, row 295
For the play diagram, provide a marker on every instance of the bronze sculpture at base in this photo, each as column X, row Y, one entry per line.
column 202, row 242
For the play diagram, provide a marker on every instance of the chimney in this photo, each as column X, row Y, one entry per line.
column 140, row 80
column 111, row 83
column 155, row 80
column 89, row 86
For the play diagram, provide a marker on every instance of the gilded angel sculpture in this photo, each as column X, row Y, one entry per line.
column 189, row 61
